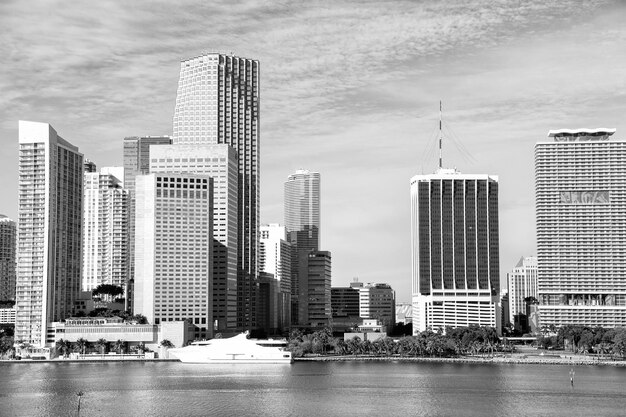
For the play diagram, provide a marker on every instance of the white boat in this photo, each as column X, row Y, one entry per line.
column 236, row 349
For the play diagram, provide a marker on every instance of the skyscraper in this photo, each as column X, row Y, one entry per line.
column 275, row 259
column 49, row 230
column 173, row 253
column 314, row 302
column 136, row 162
column 302, row 227
column 105, row 236
column 580, row 186
column 522, row 284
column 220, row 163
column 218, row 102
column 454, row 250
column 7, row 259
column 378, row 301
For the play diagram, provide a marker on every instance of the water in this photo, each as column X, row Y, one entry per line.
column 309, row 389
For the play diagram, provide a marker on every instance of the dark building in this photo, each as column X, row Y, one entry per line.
column 344, row 302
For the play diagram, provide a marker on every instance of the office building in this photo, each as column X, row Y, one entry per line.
column 220, row 163
column 580, row 188
column 454, row 250
column 7, row 258
column 344, row 302
column 314, row 301
column 50, row 205
column 173, row 251
column 136, row 162
column 217, row 102
column 302, row 228
column 378, row 301
column 275, row 259
column 522, row 284
column 105, row 235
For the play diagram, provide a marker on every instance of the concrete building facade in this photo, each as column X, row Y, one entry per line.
column 580, row 190
column 50, row 204
column 217, row 102
column 173, row 249
column 378, row 301
column 8, row 266
column 522, row 282
column 454, row 250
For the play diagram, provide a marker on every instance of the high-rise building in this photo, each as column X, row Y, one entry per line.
column 105, row 237
column 454, row 250
column 314, row 301
column 275, row 258
column 136, row 162
column 580, row 186
column 378, row 301
column 7, row 259
column 302, row 229
column 50, row 204
column 89, row 166
column 344, row 301
column 218, row 102
column 522, row 284
column 173, row 249
column 220, row 163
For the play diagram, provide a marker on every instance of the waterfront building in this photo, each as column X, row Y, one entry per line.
column 7, row 315
column 302, row 228
column 522, row 283
column 105, row 235
column 220, row 163
column 344, row 302
column 50, row 204
column 7, row 258
column 314, row 289
column 173, row 251
column 269, row 304
column 136, row 162
column 378, row 301
column 454, row 250
column 580, row 189
column 275, row 258
column 217, row 102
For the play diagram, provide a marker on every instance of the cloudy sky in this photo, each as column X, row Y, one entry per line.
column 350, row 89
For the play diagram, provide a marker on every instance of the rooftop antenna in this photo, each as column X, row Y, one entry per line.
column 440, row 135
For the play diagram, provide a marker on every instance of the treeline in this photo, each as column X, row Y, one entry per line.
column 459, row 341
column 581, row 339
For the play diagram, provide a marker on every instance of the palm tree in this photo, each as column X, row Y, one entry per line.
column 81, row 345
column 101, row 345
column 62, row 346
column 119, row 346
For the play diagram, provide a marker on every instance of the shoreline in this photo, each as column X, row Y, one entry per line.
column 498, row 360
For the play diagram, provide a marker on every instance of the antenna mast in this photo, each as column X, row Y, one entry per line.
column 440, row 136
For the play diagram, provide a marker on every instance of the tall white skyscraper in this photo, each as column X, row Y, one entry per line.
column 302, row 228
column 218, row 103
column 7, row 258
column 522, row 284
column 220, row 163
column 49, row 230
column 105, row 237
column 173, row 249
column 454, row 250
column 580, row 186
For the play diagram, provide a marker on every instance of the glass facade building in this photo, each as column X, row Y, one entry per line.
column 7, row 258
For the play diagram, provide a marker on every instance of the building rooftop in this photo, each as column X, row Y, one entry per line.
column 601, row 131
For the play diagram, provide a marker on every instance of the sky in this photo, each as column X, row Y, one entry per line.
column 349, row 89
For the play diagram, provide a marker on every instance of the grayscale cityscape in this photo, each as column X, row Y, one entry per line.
column 309, row 208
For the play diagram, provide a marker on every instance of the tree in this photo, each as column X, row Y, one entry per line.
column 165, row 343
column 62, row 346
column 119, row 346
column 81, row 345
column 101, row 345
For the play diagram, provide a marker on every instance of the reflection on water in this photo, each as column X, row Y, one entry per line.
column 308, row 388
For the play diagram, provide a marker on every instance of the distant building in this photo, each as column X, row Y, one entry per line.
column 89, row 166
column 314, row 289
column 7, row 315
column 7, row 258
column 50, row 205
column 581, row 228
column 275, row 258
column 378, row 301
column 217, row 102
column 173, row 256
column 220, row 163
column 454, row 250
column 105, row 231
column 404, row 313
column 344, row 302
column 269, row 304
column 302, row 227
column 136, row 162
column 522, row 284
